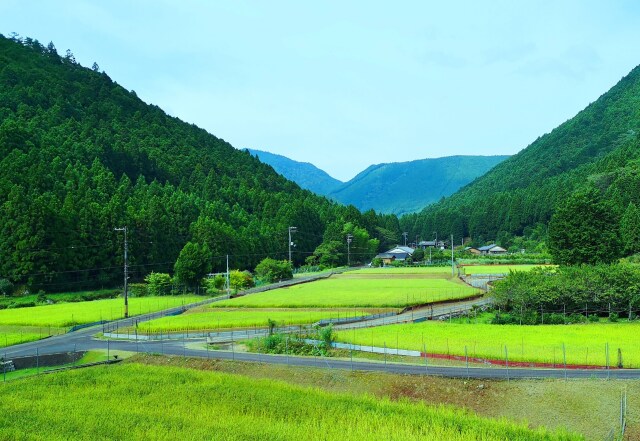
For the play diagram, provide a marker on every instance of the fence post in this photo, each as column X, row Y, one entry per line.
column 606, row 350
column 108, row 354
column 426, row 358
column 506, row 360
column 564, row 358
column 466, row 358
column 37, row 361
column 385, row 353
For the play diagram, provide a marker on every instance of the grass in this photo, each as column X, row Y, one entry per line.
column 222, row 318
column 584, row 344
column 13, row 335
column 136, row 401
column 498, row 269
column 346, row 291
column 590, row 407
column 70, row 314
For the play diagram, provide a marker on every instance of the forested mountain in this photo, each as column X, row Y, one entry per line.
column 407, row 187
column 599, row 147
column 81, row 155
column 306, row 175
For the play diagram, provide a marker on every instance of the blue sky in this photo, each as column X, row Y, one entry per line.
column 344, row 85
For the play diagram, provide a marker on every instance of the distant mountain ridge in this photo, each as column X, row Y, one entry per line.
column 394, row 188
column 305, row 174
column 407, row 187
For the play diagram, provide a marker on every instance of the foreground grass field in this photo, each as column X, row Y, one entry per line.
column 347, row 291
column 70, row 314
column 590, row 407
column 135, row 401
column 584, row 344
column 222, row 318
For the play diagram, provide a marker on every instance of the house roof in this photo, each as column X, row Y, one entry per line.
column 400, row 249
column 487, row 247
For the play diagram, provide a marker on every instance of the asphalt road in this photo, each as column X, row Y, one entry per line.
column 83, row 341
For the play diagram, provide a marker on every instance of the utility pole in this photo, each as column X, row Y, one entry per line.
column 349, row 238
column 291, row 230
column 227, row 278
column 452, row 266
column 126, row 271
column 435, row 244
column 405, row 234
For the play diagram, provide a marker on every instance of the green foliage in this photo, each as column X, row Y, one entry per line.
column 329, row 254
column 158, row 284
column 216, row 284
column 418, row 255
column 271, row 270
column 194, row 262
column 584, row 230
column 80, row 155
column 6, row 287
column 630, row 229
column 600, row 146
column 239, row 280
column 584, row 289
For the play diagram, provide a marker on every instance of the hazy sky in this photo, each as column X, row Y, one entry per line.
column 344, row 85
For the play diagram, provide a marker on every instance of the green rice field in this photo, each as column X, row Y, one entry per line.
column 70, row 314
column 498, row 269
column 584, row 344
column 347, row 291
column 445, row 270
column 135, row 401
column 13, row 335
column 222, row 318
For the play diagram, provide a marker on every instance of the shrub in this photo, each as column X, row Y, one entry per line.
column 614, row 317
column 158, row 284
column 271, row 270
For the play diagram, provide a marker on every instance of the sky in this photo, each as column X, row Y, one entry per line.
column 344, row 85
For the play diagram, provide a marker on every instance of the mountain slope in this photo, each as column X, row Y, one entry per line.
column 80, row 155
column 304, row 174
column 406, row 187
column 525, row 189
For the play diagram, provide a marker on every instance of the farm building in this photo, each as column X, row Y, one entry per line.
column 492, row 249
column 398, row 253
column 473, row 250
column 424, row 244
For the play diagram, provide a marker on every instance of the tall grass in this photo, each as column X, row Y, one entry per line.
column 133, row 401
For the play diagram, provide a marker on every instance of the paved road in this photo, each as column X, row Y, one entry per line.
column 82, row 341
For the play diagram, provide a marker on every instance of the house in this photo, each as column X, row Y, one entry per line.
column 473, row 250
column 386, row 258
column 398, row 253
column 492, row 249
column 424, row 244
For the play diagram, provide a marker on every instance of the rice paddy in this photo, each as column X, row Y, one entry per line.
column 135, row 401
column 583, row 344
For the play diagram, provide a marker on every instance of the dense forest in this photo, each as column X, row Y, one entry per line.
column 598, row 148
column 80, row 155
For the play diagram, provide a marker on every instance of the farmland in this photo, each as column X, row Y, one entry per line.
column 584, row 343
column 70, row 314
column 222, row 318
column 98, row 404
column 498, row 269
column 350, row 291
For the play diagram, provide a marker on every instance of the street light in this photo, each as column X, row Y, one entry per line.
column 349, row 238
column 291, row 230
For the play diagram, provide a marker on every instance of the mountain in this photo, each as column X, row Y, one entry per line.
column 598, row 147
column 80, row 155
column 406, row 187
column 304, row 174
